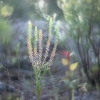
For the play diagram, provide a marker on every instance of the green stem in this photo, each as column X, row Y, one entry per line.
column 55, row 89
column 38, row 84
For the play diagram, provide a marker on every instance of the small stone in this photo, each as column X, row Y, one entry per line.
column 76, row 93
column 2, row 87
column 76, row 98
column 34, row 97
column 10, row 88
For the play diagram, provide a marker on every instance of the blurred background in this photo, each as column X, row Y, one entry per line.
column 79, row 34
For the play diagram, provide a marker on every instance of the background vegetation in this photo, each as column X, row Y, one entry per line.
column 80, row 33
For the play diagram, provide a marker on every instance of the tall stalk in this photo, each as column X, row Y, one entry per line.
column 39, row 63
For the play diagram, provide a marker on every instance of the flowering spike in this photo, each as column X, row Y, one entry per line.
column 35, row 42
column 55, row 44
column 37, row 60
column 29, row 46
column 40, row 46
column 48, row 41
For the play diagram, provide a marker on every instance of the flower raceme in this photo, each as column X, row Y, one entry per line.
column 35, row 55
column 38, row 61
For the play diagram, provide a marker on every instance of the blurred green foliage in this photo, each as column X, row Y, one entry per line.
column 95, row 69
column 6, row 11
column 32, row 8
column 81, row 16
column 83, row 20
column 19, row 8
column 5, row 31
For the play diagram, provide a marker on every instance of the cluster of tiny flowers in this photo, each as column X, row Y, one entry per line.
column 52, row 56
column 53, row 52
column 32, row 57
column 29, row 45
column 35, row 56
column 40, row 47
column 36, row 38
column 48, row 41
column 55, row 44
